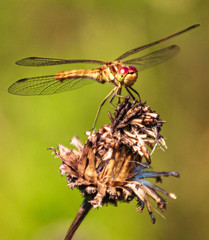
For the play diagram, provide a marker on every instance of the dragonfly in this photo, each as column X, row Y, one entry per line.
column 122, row 73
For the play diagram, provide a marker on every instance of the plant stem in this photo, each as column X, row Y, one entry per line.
column 82, row 212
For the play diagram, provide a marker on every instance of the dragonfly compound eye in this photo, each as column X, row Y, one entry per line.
column 123, row 70
column 132, row 69
column 131, row 76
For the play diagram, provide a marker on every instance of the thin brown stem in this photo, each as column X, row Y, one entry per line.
column 82, row 212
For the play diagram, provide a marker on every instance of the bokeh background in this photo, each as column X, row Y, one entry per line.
column 35, row 202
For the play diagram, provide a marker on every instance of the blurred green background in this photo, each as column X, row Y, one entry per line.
column 35, row 201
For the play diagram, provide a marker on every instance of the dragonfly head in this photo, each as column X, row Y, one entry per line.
column 127, row 75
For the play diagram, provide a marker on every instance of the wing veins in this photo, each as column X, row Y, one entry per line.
column 27, row 80
column 40, row 61
column 48, row 86
column 74, row 83
column 135, row 50
column 39, row 85
column 154, row 58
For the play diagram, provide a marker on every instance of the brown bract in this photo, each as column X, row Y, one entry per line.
column 110, row 167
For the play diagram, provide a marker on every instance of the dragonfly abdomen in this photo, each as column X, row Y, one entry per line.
column 106, row 73
column 80, row 73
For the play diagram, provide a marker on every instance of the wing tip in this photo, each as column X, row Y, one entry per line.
column 175, row 47
column 25, row 61
column 195, row 25
column 11, row 90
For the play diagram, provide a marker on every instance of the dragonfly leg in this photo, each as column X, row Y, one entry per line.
column 118, row 93
column 112, row 100
column 103, row 102
column 130, row 88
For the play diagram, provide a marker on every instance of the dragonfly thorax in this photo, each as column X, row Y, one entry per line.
column 127, row 75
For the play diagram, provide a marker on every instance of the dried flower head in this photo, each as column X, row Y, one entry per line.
column 109, row 167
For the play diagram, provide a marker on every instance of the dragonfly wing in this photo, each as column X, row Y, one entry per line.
column 39, row 61
column 46, row 85
column 138, row 49
column 153, row 58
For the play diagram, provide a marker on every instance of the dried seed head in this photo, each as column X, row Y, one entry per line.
column 109, row 166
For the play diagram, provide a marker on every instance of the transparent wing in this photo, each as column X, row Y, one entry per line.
column 138, row 49
column 39, row 61
column 153, row 58
column 46, row 85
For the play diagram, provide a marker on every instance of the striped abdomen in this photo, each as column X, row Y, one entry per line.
column 106, row 73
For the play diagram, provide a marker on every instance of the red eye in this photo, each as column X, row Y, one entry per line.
column 133, row 69
column 123, row 70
